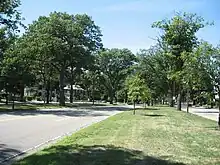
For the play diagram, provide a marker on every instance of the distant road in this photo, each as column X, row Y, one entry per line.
column 204, row 112
column 24, row 130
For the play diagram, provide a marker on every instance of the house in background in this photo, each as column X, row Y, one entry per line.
column 39, row 93
column 78, row 92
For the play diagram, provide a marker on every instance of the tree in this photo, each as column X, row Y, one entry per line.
column 213, row 68
column 216, row 78
column 154, row 68
column 10, row 16
column 114, row 65
column 145, row 94
column 76, row 68
column 17, row 67
column 90, row 80
column 137, row 89
column 179, row 33
column 196, row 77
column 64, row 38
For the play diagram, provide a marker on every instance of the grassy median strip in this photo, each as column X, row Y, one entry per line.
column 156, row 136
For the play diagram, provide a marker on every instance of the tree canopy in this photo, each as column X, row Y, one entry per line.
column 64, row 49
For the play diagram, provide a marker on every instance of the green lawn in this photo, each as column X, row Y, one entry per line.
column 151, row 137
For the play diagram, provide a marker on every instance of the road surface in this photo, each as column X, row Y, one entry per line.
column 24, row 130
column 206, row 113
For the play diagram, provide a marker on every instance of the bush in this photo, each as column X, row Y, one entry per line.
column 29, row 98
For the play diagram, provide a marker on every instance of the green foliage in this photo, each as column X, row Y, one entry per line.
column 179, row 36
column 59, row 42
column 137, row 89
column 196, row 68
column 154, row 68
column 10, row 16
column 180, row 32
column 115, row 66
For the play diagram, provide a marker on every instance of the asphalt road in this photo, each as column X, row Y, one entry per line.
column 204, row 112
column 24, row 130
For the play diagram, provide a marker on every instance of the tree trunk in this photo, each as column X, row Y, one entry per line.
column 62, row 94
column 13, row 102
column 71, row 92
column 134, row 108
column 219, row 109
column 126, row 97
column 48, row 92
column 194, row 102
column 179, row 101
column 22, row 92
column 111, row 97
column 172, row 94
column 171, row 101
column 219, row 116
column 88, row 94
column 111, row 100
column 187, row 104
column 93, row 101
column 51, row 95
column 116, row 99
column 152, row 102
column 212, row 98
column 93, row 95
column 6, row 96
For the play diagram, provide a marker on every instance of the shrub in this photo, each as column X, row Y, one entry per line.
column 29, row 98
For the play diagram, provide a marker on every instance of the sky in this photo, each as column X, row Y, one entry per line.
column 127, row 23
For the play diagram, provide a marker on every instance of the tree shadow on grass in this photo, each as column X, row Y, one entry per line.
column 153, row 115
column 92, row 155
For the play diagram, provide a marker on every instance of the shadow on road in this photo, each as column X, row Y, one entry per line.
column 97, row 154
column 6, row 152
column 76, row 112
column 108, row 108
column 206, row 112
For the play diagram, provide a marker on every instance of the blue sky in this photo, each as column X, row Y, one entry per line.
column 127, row 23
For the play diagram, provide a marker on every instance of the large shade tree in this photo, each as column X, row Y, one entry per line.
column 179, row 33
column 64, row 39
column 114, row 65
